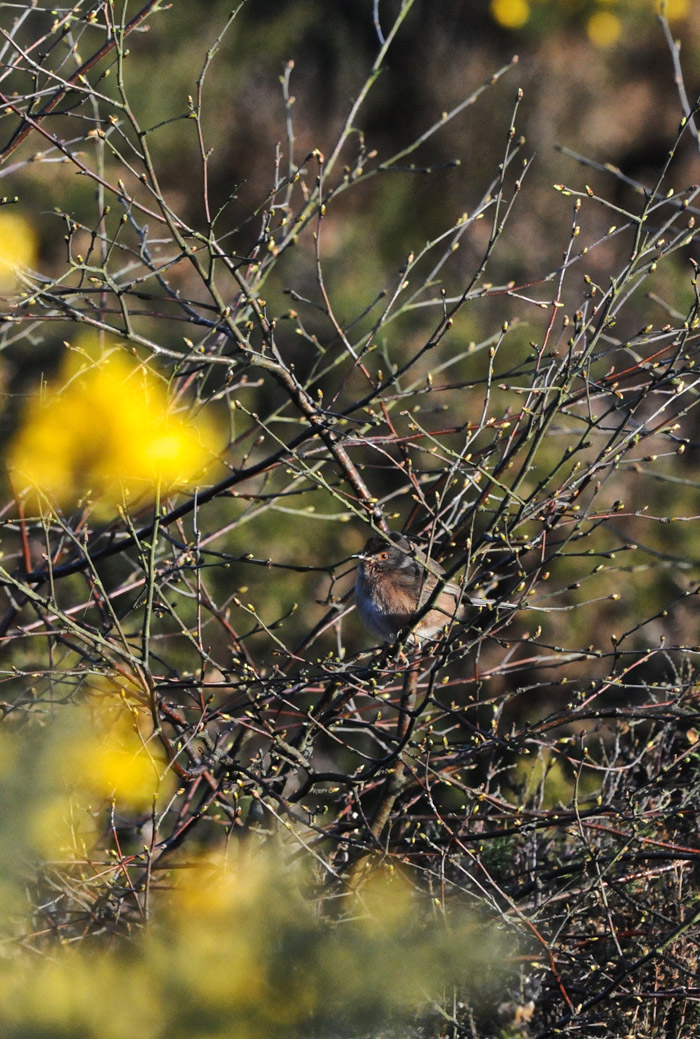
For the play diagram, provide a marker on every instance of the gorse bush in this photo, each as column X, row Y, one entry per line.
column 225, row 366
column 235, row 949
column 140, row 448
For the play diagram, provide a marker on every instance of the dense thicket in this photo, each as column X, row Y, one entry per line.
column 273, row 279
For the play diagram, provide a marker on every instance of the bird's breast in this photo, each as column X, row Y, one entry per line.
column 384, row 606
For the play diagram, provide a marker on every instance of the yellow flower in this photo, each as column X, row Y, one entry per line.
column 604, row 29
column 109, row 432
column 675, row 8
column 112, row 755
column 512, row 14
column 121, row 767
column 17, row 247
column 101, row 752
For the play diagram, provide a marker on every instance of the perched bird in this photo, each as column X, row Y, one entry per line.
column 394, row 579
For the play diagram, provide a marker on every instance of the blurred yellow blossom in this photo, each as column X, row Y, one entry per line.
column 82, row 996
column 512, row 14
column 243, row 911
column 113, row 755
column 17, row 247
column 604, row 28
column 602, row 25
column 99, row 753
column 236, row 946
column 269, row 965
column 119, row 765
column 674, row 8
column 106, row 430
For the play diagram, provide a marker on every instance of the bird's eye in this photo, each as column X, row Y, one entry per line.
column 383, row 556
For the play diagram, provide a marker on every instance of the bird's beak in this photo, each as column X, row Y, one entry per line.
column 357, row 555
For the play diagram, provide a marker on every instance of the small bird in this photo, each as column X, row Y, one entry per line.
column 394, row 579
